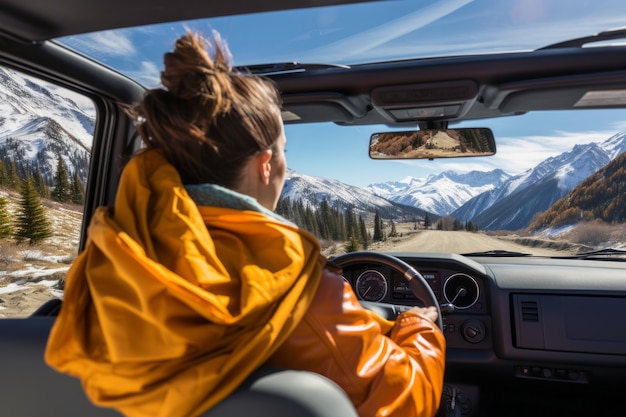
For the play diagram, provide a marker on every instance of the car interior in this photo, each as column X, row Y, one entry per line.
column 525, row 335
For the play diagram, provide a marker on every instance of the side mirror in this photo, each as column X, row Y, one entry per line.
column 433, row 143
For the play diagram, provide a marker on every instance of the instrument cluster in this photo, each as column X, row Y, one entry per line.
column 460, row 289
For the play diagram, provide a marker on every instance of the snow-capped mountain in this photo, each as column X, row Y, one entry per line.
column 40, row 122
column 513, row 205
column 615, row 145
column 440, row 193
column 311, row 190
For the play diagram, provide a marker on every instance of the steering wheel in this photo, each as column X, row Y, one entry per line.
column 416, row 282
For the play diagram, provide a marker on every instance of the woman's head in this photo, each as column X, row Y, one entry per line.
column 209, row 121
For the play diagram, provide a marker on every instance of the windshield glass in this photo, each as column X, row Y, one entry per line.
column 364, row 32
column 501, row 202
column 540, row 157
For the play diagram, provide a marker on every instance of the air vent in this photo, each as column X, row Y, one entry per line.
column 528, row 328
column 530, row 311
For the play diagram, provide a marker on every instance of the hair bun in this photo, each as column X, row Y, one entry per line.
column 191, row 74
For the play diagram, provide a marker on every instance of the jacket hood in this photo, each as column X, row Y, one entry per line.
column 172, row 305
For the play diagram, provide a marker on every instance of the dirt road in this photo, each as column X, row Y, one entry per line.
column 461, row 242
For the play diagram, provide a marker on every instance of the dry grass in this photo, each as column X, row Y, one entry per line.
column 584, row 236
column 8, row 253
column 535, row 242
column 48, row 260
column 597, row 233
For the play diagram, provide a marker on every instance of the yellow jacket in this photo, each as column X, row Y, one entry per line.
column 396, row 376
column 162, row 317
column 172, row 305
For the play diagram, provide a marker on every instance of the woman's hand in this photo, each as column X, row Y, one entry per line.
column 429, row 313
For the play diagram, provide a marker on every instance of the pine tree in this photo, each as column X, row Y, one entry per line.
column 340, row 231
column 40, row 184
column 323, row 221
column 77, row 193
column 393, row 232
column 6, row 227
column 357, row 228
column 4, row 181
column 427, row 221
column 353, row 243
column 365, row 237
column 31, row 223
column 284, row 208
column 309, row 222
column 62, row 191
column 378, row 231
column 13, row 179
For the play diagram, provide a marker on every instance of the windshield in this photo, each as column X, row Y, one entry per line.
column 540, row 157
column 483, row 203
column 364, row 32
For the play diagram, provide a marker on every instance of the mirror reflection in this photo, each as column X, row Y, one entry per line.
column 433, row 143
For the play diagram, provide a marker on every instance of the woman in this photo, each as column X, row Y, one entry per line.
column 190, row 282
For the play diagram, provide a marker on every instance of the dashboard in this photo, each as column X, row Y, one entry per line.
column 459, row 284
column 532, row 326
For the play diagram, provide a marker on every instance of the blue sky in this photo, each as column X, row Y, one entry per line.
column 521, row 143
column 390, row 30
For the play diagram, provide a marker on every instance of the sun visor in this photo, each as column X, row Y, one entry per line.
column 425, row 101
column 320, row 107
column 581, row 91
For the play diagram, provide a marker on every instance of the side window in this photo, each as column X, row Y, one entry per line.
column 46, row 134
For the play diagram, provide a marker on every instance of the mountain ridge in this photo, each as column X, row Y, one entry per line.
column 34, row 136
column 311, row 190
column 440, row 193
column 601, row 196
column 504, row 208
column 60, row 125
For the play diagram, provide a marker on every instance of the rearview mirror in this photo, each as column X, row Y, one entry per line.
column 433, row 143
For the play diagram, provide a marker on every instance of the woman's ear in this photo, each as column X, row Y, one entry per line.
column 264, row 165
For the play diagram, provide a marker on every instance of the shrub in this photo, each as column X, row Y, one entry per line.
column 592, row 233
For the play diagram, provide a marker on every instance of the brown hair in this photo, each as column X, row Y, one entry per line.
column 208, row 119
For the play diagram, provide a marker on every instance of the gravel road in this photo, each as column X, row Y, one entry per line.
column 461, row 242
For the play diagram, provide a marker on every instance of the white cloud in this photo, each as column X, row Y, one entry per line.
column 106, row 43
column 148, row 74
column 367, row 40
column 518, row 154
column 619, row 125
column 376, row 42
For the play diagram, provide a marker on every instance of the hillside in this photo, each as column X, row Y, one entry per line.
column 39, row 123
column 602, row 196
column 513, row 205
column 313, row 190
column 30, row 274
